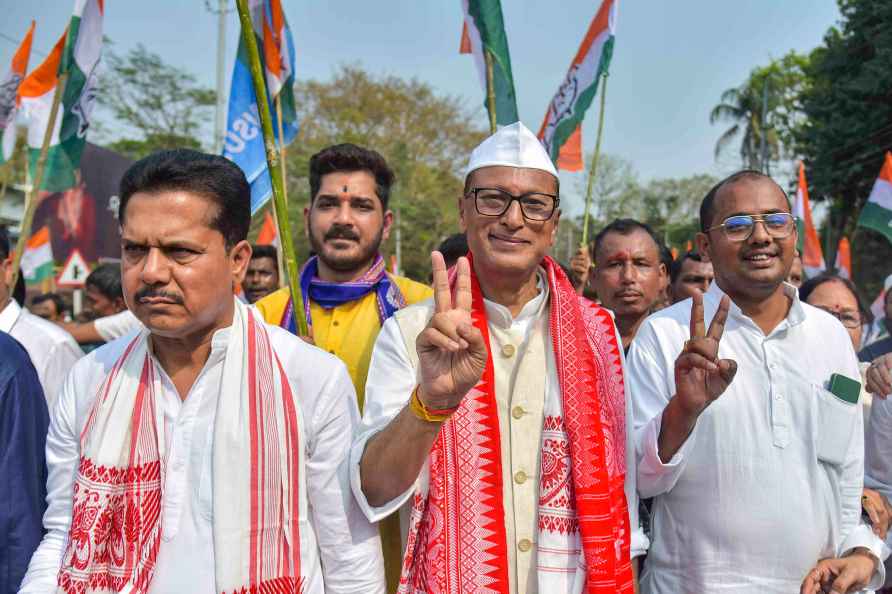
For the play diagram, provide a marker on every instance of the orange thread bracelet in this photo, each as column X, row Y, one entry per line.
column 428, row 414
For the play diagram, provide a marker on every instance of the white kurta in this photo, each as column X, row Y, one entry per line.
column 525, row 369
column 52, row 350
column 340, row 550
column 769, row 481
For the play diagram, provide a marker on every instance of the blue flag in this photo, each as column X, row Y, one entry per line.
column 243, row 141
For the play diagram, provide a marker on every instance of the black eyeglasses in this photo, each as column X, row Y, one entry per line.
column 848, row 319
column 535, row 206
column 740, row 227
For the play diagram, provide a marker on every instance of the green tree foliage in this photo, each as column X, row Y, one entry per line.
column 776, row 86
column 154, row 104
column 847, row 128
column 426, row 138
column 671, row 205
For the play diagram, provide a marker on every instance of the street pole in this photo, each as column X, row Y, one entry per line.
column 220, row 113
column 764, row 132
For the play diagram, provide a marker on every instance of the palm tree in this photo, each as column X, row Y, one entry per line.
column 743, row 107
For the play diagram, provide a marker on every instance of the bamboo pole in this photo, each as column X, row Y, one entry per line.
column 490, row 92
column 594, row 168
column 275, row 170
column 31, row 196
column 279, row 257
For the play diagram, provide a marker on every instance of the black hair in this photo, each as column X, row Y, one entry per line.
column 627, row 227
column 54, row 297
column 4, row 244
column 214, row 177
column 707, row 207
column 809, row 286
column 350, row 157
column 106, row 278
column 678, row 264
column 265, row 251
column 453, row 247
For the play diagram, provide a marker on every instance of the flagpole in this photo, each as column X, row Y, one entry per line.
column 594, row 168
column 31, row 196
column 284, row 181
column 490, row 91
column 275, row 170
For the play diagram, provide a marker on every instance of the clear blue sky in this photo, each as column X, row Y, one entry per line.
column 671, row 62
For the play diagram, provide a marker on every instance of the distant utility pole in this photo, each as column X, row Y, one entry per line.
column 220, row 111
column 766, row 169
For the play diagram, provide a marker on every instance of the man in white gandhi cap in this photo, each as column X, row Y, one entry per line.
column 496, row 412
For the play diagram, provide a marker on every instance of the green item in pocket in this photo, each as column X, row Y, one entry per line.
column 845, row 388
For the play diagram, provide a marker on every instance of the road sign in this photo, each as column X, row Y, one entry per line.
column 75, row 272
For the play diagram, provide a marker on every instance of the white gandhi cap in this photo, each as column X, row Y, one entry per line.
column 511, row 146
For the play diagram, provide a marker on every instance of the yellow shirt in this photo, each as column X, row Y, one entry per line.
column 348, row 330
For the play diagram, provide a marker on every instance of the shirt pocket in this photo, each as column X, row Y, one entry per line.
column 836, row 420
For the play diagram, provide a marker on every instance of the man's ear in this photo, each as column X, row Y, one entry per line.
column 702, row 241
column 239, row 257
column 387, row 225
column 557, row 221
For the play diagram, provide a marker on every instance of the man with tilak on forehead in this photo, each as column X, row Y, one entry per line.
column 495, row 414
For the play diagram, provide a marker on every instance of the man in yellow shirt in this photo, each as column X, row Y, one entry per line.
column 347, row 292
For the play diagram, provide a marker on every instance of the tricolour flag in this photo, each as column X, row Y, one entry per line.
column 877, row 213
column 76, row 54
column 37, row 259
column 484, row 31
column 843, row 262
column 243, row 142
column 809, row 244
column 268, row 235
column 9, row 88
column 560, row 131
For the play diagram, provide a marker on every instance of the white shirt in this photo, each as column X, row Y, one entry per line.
column 878, row 455
column 340, row 550
column 519, row 387
column 117, row 325
column 769, row 481
column 52, row 350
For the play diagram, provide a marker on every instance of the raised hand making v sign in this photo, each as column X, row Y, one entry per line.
column 451, row 351
column 451, row 359
column 700, row 377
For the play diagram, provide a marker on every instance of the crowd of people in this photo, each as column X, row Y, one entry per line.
column 625, row 422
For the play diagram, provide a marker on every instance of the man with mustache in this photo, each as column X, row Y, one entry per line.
column 495, row 413
column 203, row 454
column 347, row 292
column 629, row 274
column 749, row 433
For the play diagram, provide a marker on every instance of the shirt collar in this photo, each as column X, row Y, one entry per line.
column 500, row 316
column 9, row 315
column 795, row 316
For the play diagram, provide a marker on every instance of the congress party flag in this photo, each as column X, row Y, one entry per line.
column 561, row 128
column 877, row 213
column 484, row 31
column 37, row 260
column 843, row 262
column 9, row 88
column 243, row 142
column 77, row 55
column 809, row 244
